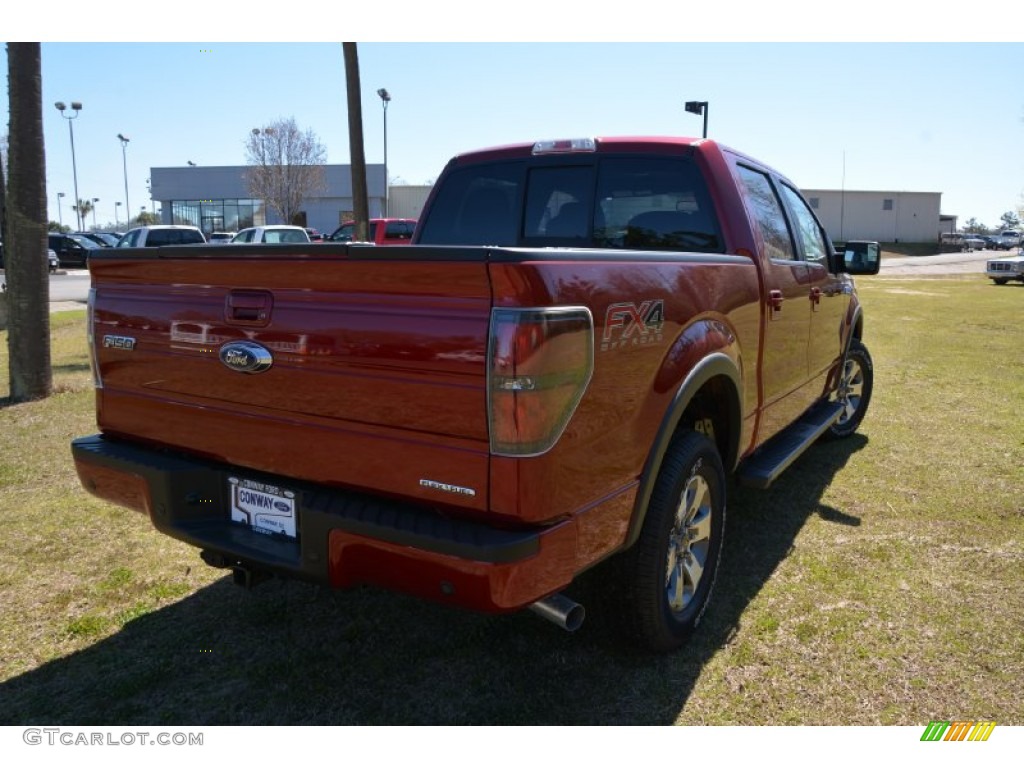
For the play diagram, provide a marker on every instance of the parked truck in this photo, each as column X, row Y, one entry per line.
column 583, row 340
column 1008, row 239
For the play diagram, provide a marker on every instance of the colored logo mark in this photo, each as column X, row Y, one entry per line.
column 959, row 730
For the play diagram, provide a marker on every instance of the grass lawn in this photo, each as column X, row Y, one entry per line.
column 877, row 582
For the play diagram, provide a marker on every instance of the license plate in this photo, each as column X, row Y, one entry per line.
column 263, row 507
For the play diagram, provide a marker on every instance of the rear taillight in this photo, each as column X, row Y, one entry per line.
column 540, row 362
column 90, row 330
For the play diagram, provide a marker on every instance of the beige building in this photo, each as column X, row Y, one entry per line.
column 407, row 201
column 888, row 217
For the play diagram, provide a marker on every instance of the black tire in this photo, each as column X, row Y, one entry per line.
column 854, row 391
column 1000, row 280
column 665, row 580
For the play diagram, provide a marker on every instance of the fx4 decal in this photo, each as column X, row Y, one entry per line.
column 630, row 324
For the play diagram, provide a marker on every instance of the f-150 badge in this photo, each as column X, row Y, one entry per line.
column 126, row 343
column 246, row 356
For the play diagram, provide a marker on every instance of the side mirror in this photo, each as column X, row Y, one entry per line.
column 861, row 257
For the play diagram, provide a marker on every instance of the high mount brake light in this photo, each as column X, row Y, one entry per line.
column 540, row 363
column 564, row 145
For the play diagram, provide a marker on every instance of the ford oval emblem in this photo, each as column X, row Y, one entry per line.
column 246, row 356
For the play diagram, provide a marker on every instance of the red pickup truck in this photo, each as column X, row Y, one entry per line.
column 584, row 338
column 382, row 232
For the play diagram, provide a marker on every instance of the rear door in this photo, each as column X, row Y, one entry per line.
column 828, row 299
column 788, row 314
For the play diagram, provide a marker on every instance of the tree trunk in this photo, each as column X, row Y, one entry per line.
column 27, row 273
column 355, row 142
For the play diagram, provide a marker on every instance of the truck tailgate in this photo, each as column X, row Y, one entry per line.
column 377, row 374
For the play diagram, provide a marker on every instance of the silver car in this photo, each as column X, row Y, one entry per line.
column 974, row 243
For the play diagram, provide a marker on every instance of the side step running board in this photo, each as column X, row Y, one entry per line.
column 772, row 458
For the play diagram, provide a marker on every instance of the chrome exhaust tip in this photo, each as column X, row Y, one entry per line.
column 560, row 610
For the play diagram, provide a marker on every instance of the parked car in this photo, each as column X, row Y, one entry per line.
column 273, row 233
column 382, row 232
column 991, row 241
column 1001, row 271
column 220, row 238
column 973, row 243
column 161, row 234
column 102, row 239
column 315, row 235
column 53, row 263
column 72, row 250
column 1008, row 238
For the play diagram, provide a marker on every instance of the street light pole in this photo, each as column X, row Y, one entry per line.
column 117, row 214
column 124, row 158
column 385, row 99
column 60, row 214
column 94, row 201
column 699, row 108
column 77, row 106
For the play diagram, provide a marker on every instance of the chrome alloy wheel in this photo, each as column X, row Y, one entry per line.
column 689, row 544
column 851, row 389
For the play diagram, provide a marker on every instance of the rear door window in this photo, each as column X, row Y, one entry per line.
column 809, row 233
column 130, row 240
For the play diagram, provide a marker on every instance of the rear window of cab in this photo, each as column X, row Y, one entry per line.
column 644, row 203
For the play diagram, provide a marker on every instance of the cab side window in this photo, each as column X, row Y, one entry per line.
column 398, row 230
column 766, row 209
column 809, row 233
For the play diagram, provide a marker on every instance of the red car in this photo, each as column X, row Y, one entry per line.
column 382, row 232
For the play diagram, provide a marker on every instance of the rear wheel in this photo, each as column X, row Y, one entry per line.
column 1000, row 280
column 667, row 577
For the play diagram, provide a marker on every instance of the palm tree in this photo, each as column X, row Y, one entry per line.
column 28, row 285
column 85, row 207
column 355, row 141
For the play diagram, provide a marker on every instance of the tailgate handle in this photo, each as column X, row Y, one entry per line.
column 248, row 307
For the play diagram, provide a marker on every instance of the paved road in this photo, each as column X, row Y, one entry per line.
column 73, row 286
column 940, row 264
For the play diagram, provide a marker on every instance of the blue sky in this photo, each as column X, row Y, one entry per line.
column 925, row 116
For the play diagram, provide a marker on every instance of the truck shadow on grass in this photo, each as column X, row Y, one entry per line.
column 290, row 653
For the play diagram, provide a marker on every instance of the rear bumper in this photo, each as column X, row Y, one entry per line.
column 343, row 538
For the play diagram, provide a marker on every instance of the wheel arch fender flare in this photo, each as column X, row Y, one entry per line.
column 854, row 330
column 714, row 365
